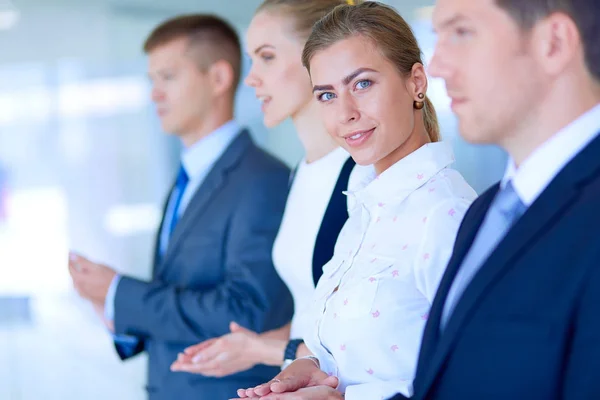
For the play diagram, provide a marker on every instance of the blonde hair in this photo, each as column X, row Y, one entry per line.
column 386, row 29
column 304, row 13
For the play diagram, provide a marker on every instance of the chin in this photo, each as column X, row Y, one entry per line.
column 165, row 126
column 169, row 131
column 271, row 122
column 473, row 135
column 360, row 159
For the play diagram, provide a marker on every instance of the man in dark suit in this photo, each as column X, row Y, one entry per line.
column 213, row 250
column 516, row 315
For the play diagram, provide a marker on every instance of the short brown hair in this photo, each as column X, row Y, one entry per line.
column 304, row 13
column 388, row 31
column 585, row 14
column 213, row 35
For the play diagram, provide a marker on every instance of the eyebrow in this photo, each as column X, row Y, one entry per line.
column 263, row 47
column 345, row 81
column 450, row 21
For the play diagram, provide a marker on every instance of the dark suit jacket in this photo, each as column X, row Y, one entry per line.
column 217, row 268
column 528, row 326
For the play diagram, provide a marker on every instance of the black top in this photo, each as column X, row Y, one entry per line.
column 334, row 219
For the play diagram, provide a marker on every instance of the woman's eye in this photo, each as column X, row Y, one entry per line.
column 365, row 83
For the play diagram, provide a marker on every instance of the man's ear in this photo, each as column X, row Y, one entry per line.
column 221, row 77
column 556, row 42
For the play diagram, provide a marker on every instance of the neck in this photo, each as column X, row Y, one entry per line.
column 417, row 139
column 316, row 141
column 215, row 119
column 552, row 114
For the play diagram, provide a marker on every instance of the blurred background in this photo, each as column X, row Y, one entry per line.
column 84, row 166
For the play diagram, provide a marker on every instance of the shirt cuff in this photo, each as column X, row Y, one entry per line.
column 109, row 303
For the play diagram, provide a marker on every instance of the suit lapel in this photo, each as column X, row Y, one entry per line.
column 209, row 188
column 539, row 218
column 157, row 257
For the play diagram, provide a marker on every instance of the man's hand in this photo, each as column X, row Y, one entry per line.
column 311, row 393
column 222, row 356
column 91, row 280
column 302, row 373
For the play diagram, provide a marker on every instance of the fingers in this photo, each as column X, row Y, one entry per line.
column 212, row 370
column 78, row 263
column 179, row 366
column 267, row 388
column 73, row 261
column 331, row 381
column 211, row 353
column 209, row 362
column 182, row 361
column 200, row 346
column 235, row 327
column 289, row 384
column 257, row 391
column 184, row 358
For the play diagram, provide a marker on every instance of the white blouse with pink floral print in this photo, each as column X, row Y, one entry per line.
column 371, row 305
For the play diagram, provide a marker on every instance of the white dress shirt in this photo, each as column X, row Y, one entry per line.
column 197, row 160
column 372, row 303
column 294, row 246
column 542, row 166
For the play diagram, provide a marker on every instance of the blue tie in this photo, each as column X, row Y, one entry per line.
column 504, row 211
column 180, row 185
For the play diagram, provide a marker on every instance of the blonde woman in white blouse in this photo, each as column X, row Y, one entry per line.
column 373, row 300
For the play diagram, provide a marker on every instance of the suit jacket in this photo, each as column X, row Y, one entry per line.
column 528, row 325
column 217, row 268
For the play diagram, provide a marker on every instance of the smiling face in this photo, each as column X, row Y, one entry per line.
column 277, row 74
column 366, row 104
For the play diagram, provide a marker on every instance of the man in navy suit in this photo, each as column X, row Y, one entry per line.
column 213, row 251
column 517, row 314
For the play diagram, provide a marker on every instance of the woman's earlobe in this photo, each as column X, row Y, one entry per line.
column 418, row 105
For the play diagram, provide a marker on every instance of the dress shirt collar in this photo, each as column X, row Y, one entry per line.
column 204, row 153
column 542, row 166
column 402, row 178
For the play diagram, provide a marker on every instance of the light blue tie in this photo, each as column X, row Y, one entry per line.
column 505, row 210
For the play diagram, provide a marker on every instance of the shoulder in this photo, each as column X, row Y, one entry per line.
column 257, row 166
column 261, row 160
column 446, row 194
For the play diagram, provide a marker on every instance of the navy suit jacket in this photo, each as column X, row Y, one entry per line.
column 217, row 268
column 528, row 325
